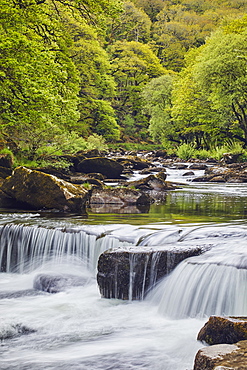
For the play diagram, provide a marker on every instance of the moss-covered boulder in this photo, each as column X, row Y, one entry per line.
column 222, row 357
column 224, row 330
column 129, row 273
column 107, row 167
column 42, row 191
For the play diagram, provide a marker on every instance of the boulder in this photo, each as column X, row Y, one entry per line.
column 198, row 166
column 107, row 167
column 6, row 160
column 52, row 283
column 120, row 196
column 152, row 182
column 129, row 273
column 224, row 330
column 42, row 191
column 222, row 357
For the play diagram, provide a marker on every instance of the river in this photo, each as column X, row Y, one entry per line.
column 76, row 328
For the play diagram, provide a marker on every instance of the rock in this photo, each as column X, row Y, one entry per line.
column 6, row 160
column 160, row 153
column 151, row 182
column 129, row 273
column 5, row 172
column 119, row 209
column 107, row 167
column 15, row 330
column 57, row 283
column 224, row 330
column 120, row 196
column 217, row 179
column 198, row 166
column 222, row 357
column 42, row 191
column 134, row 163
column 188, row 173
column 86, row 180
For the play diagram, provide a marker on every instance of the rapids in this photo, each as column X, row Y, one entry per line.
column 77, row 329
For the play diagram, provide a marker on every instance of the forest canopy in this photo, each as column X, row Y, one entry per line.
column 167, row 72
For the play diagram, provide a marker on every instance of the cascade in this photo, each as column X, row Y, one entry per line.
column 27, row 247
column 202, row 289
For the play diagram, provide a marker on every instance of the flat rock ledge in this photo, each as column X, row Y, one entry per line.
column 130, row 272
column 222, row 357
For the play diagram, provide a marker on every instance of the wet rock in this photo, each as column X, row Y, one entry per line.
column 107, row 167
column 198, row 166
column 129, row 273
column 120, row 196
column 222, row 357
column 188, row 173
column 57, row 283
column 152, row 182
column 119, row 209
column 134, row 163
column 14, row 330
column 42, row 191
column 160, row 153
column 224, row 330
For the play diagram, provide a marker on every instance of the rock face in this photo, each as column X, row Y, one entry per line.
column 129, row 273
column 42, row 191
column 224, row 330
column 222, row 357
column 120, row 196
column 57, row 283
column 107, row 167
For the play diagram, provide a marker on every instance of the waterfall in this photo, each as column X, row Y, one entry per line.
column 199, row 289
column 27, row 247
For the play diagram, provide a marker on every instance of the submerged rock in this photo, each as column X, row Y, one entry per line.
column 120, row 196
column 14, row 330
column 224, row 330
column 56, row 283
column 42, row 191
column 222, row 357
column 130, row 273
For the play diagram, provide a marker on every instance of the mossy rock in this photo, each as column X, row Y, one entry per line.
column 42, row 191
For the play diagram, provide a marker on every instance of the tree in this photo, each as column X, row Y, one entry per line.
column 221, row 72
column 133, row 66
column 132, row 25
column 38, row 81
column 157, row 97
column 210, row 99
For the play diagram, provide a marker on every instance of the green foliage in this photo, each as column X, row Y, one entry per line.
column 185, row 151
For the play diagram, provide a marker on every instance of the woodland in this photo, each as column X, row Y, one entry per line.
column 82, row 74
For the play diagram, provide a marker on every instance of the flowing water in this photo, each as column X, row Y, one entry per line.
column 76, row 328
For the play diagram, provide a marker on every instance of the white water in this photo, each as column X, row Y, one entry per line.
column 78, row 330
